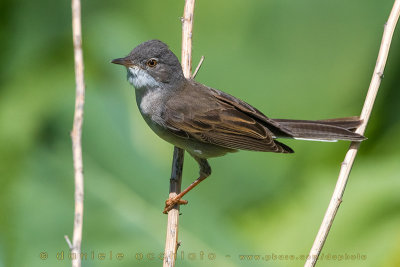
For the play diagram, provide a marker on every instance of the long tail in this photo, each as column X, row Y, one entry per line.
column 323, row 130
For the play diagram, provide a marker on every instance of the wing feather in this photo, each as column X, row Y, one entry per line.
column 229, row 123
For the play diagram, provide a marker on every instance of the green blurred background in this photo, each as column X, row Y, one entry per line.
column 291, row 59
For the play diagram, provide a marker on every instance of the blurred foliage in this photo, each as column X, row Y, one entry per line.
column 291, row 59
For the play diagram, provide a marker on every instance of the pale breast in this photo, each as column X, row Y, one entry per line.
column 151, row 102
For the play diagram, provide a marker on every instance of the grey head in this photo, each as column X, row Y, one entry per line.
column 151, row 64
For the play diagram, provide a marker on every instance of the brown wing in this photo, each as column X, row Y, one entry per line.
column 275, row 127
column 209, row 117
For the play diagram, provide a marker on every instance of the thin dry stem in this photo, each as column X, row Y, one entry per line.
column 76, row 133
column 68, row 242
column 187, row 28
column 352, row 152
column 198, row 67
column 171, row 243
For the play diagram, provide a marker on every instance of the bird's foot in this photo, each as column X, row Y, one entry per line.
column 171, row 202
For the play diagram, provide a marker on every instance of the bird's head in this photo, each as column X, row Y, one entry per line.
column 152, row 64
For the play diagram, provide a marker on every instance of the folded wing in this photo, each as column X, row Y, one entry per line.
column 221, row 121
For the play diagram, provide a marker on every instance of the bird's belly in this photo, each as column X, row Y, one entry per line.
column 194, row 147
column 200, row 149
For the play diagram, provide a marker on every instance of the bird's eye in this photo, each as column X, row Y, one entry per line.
column 152, row 63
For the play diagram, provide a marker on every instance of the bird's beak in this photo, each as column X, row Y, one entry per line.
column 122, row 61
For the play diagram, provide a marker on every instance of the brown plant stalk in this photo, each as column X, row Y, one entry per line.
column 76, row 135
column 352, row 152
column 171, row 243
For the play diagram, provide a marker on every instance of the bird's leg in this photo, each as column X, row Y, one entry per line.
column 205, row 171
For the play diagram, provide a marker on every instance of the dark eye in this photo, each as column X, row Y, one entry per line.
column 152, row 63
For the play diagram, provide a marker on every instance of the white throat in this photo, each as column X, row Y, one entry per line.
column 140, row 78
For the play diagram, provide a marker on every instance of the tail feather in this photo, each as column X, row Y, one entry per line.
column 323, row 130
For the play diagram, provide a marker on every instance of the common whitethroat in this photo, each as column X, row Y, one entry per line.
column 210, row 123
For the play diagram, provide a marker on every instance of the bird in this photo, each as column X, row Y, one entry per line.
column 207, row 122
